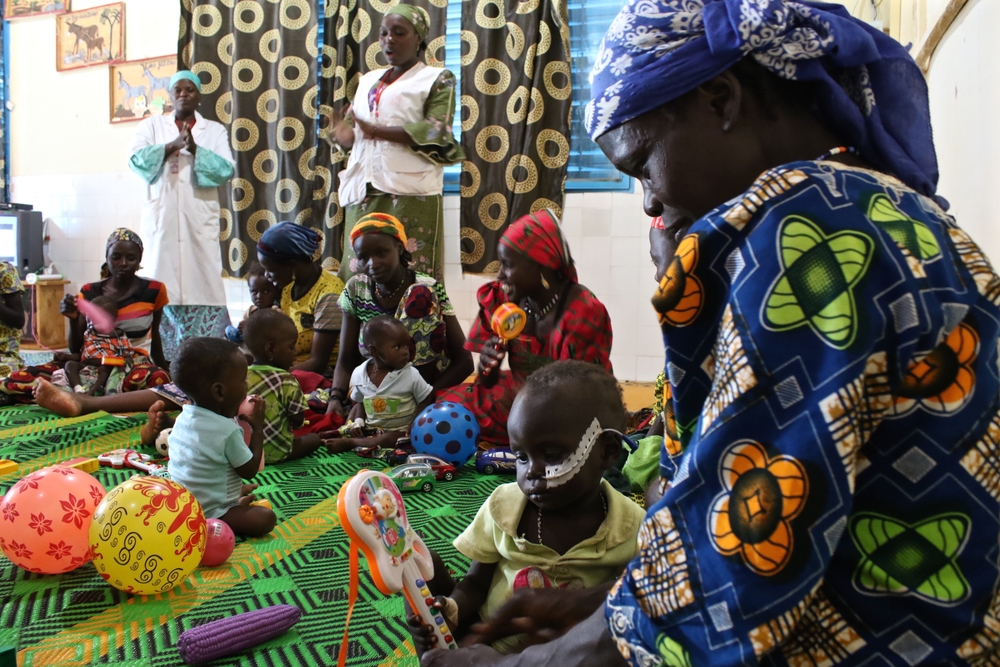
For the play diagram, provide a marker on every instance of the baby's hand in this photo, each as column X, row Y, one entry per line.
column 422, row 634
column 255, row 418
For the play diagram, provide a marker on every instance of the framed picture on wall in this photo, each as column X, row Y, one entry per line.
column 90, row 37
column 16, row 9
column 141, row 88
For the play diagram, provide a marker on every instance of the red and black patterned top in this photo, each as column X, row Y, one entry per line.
column 582, row 332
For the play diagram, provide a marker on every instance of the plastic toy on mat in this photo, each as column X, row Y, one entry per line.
column 372, row 513
column 499, row 459
column 129, row 458
column 235, row 634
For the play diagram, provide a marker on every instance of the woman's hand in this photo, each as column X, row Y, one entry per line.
column 68, row 307
column 368, row 129
column 177, row 144
column 492, row 355
column 336, row 407
column 541, row 613
column 189, row 144
column 343, row 132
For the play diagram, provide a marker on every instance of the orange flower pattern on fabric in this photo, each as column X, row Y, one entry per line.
column 752, row 516
column 941, row 381
column 680, row 294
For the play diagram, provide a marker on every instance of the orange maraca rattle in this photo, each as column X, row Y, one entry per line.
column 508, row 322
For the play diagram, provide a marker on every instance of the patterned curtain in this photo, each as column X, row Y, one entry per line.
column 258, row 61
column 516, row 106
column 350, row 50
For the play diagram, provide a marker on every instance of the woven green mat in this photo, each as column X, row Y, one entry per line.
column 78, row 619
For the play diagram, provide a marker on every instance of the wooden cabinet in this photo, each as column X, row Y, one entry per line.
column 48, row 326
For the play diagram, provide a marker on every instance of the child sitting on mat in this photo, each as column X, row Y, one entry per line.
column 263, row 295
column 208, row 455
column 271, row 336
column 560, row 524
column 107, row 363
column 387, row 390
column 101, row 354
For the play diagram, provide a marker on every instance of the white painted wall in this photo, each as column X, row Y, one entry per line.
column 59, row 124
column 69, row 162
column 964, row 82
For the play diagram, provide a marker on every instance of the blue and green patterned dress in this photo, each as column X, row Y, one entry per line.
column 832, row 480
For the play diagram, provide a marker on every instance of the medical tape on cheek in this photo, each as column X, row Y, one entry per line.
column 560, row 473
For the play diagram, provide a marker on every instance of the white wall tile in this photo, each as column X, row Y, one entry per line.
column 572, row 221
column 648, row 367
column 597, row 200
column 597, row 222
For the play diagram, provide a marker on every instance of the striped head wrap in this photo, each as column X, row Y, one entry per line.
column 379, row 223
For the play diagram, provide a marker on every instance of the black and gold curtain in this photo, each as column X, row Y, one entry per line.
column 516, row 105
column 351, row 49
column 258, row 61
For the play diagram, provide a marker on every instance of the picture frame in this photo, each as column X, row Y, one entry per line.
column 89, row 37
column 141, row 88
column 19, row 9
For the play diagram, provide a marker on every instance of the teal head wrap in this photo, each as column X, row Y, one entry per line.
column 186, row 74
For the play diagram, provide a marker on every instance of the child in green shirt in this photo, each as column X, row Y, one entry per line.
column 271, row 338
column 560, row 524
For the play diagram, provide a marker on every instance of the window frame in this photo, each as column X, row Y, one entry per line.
column 453, row 49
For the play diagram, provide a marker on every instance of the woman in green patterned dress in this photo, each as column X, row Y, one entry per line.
column 399, row 133
column 389, row 286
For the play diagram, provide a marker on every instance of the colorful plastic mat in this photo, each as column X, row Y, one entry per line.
column 77, row 619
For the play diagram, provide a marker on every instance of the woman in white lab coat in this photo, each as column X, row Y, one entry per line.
column 184, row 158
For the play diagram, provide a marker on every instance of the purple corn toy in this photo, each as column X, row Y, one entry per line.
column 235, row 633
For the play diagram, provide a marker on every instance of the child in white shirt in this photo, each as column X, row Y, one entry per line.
column 387, row 390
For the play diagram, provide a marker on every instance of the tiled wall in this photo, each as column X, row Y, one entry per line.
column 607, row 233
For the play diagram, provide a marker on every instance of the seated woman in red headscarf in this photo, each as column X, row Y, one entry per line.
column 565, row 321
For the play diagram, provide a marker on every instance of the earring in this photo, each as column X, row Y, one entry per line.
column 545, row 283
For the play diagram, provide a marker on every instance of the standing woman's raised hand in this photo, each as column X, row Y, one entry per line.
column 188, row 137
column 343, row 132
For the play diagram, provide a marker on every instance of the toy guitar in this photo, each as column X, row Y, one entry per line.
column 371, row 511
column 508, row 322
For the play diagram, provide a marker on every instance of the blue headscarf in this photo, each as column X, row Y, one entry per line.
column 870, row 92
column 287, row 241
column 186, row 74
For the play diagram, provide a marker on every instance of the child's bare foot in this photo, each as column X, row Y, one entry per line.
column 51, row 397
column 340, row 445
column 157, row 419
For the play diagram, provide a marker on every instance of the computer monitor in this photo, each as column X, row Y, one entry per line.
column 21, row 239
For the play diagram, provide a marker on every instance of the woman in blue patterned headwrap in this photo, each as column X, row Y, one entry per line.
column 830, row 481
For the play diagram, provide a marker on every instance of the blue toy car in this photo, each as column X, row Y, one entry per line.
column 501, row 459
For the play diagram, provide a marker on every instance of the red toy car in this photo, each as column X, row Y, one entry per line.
column 442, row 469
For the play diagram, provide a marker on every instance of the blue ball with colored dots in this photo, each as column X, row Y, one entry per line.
column 446, row 430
